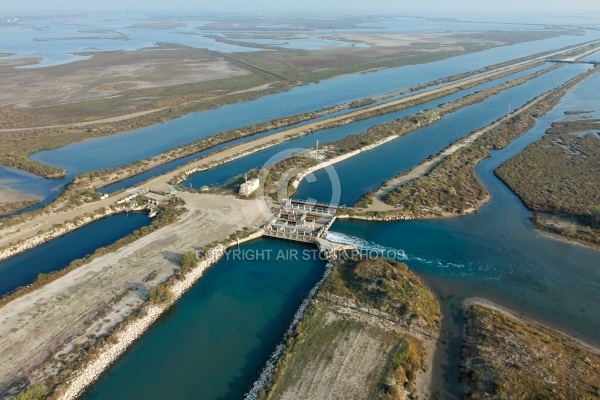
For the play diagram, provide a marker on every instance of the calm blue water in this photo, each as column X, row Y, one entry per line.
column 369, row 169
column 219, row 175
column 121, row 149
column 213, row 342
column 115, row 151
column 57, row 39
column 56, row 254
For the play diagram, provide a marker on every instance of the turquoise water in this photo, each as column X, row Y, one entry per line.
column 214, row 341
column 56, row 254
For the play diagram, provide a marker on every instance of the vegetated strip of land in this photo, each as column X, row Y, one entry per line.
column 369, row 333
column 380, row 134
column 83, row 186
column 506, row 356
column 451, row 187
column 18, row 145
column 558, row 177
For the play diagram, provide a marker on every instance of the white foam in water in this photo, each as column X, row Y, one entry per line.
column 373, row 249
column 370, row 248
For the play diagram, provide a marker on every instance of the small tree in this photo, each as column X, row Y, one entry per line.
column 569, row 230
column 596, row 217
column 36, row 391
column 189, row 260
column 161, row 294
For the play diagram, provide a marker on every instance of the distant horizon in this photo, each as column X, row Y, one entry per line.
column 453, row 9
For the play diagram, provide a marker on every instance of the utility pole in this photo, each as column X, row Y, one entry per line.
column 317, row 151
column 508, row 114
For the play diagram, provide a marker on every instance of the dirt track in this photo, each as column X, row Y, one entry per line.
column 39, row 324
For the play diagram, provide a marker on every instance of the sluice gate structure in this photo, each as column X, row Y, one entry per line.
column 306, row 222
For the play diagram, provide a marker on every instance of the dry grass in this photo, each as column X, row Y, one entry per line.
column 362, row 337
column 505, row 357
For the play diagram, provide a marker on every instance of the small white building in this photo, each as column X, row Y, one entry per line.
column 249, row 187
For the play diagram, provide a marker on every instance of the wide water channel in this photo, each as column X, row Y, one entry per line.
column 56, row 254
column 115, row 151
column 213, row 343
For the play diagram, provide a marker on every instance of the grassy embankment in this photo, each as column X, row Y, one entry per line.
column 451, row 187
column 505, row 357
column 361, row 336
column 14, row 206
column 560, row 175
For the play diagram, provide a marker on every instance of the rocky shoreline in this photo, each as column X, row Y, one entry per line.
column 91, row 372
column 59, row 231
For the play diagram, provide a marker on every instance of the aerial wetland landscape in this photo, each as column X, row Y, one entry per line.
column 277, row 203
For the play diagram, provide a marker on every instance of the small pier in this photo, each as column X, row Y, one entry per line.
column 306, row 222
